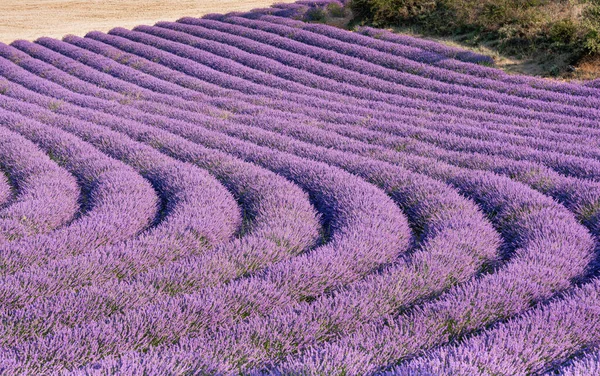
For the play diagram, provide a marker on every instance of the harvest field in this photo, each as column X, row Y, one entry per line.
column 31, row 19
column 250, row 193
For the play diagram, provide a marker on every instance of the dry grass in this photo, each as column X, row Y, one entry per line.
column 536, row 65
column 31, row 19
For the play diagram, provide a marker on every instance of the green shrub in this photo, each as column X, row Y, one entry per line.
column 514, row 27
column 591, row 21
column 563, row 31
column 316, row 15
column 336, row 10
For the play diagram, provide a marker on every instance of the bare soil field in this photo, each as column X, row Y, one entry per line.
column 30, row 19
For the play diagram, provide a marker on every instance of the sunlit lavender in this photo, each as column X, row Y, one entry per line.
column 252, row 193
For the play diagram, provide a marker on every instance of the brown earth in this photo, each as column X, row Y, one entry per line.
column 31, row 19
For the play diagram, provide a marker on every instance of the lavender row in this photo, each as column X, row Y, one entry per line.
column 593, row 83
column 374, row 76
column 471, row 69
column 589, row 364
column 386, row 244
column 526, row 174
column 6, row 190
column 426, row 45
column 120, row 203
column 571, row 165
column 252, row 67
column 267, row 227
column 564, row 217
column 531, row 344
column 46, row 195
column 362, row 114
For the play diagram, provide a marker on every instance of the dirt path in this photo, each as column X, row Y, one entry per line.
column 30, row 19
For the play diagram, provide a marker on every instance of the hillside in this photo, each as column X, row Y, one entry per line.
column 250, row 193
column 552, row 38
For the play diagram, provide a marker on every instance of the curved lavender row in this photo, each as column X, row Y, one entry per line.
column 5, row 189
column 589, row 364
column 236, row 62
column 530, row 344
column 268, row 230
column 398, row 184
column 471, row 69
column 292, row 102
column 194, row 201
column 110, row 186
column 139, row 92
column 430, row 46
column 47, row 195
column 369, row 231
column 548, row 213
column 571, row 165
column 594, row 84
column 360, row 73
column 579, row 202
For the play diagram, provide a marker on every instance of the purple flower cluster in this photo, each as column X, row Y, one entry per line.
column 46, row 195
column 5, row 189
column 252, row 194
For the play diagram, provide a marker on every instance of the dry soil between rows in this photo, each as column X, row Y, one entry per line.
column 32, row 19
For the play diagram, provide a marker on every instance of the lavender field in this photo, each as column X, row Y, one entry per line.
column 250, row 193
